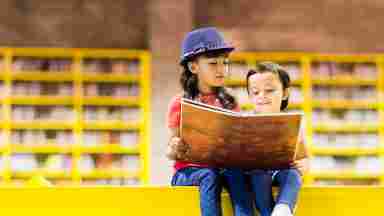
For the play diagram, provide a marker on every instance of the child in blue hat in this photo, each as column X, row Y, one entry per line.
column 204, row 60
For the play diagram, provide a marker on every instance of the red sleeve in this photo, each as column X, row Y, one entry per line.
column 173, row 114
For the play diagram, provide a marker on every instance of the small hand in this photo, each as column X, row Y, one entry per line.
column 178, row 147
column 301, row 165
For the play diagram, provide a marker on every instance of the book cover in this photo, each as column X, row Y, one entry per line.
column 223, row 138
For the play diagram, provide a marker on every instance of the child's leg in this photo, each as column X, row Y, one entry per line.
column 234, row 180
column 210, row 187
column 261, row 182
column 289, row 182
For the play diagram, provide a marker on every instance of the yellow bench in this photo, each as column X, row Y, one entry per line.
column 168, row 201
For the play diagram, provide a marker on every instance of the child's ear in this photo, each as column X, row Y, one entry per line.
column 286, row 94
column 192, row 66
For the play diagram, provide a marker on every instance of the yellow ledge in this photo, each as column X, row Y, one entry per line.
column 173, row 201
column 109, row 174
column 49, row 149
column 53, row 125
column 344, row 81
column 344, row 175
column 344, row 151
column 53, row 149
column 111, row 101
column 42, row 172
column 346, row 128
column 109, row 148
column 48, row 76
column 110, row 77
column 41, row 100
column 344, row 104
column 111, row 125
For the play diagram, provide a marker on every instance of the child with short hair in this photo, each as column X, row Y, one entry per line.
column 268, row 89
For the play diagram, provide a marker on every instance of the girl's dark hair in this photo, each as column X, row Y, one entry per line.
column 189, row 83
column 264, row 67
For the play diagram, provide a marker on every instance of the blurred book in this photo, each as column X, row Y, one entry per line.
column 224, row 138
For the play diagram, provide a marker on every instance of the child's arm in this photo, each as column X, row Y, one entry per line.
column 176, row 148
column 303, row 164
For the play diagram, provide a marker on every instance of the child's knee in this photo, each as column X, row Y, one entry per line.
column 209, row 175
column 294, row 177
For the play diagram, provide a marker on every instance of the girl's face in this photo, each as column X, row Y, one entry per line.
column 210, row 71
column 266, row 92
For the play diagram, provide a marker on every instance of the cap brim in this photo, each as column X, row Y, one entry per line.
column 224, row 49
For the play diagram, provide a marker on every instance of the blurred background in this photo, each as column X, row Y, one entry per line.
column 86, row 84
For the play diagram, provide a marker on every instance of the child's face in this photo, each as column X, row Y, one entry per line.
column 211, row 71
column 266, row 92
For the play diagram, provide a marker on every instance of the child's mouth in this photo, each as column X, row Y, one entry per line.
column 263, row 103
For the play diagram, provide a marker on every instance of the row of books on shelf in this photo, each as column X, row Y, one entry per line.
column 129, row 139
column 66, row 113
column 347, row 93
column 40, row 88
column 329, row 69
column 366, row 164
column 64, row 163
column 345, row 116
column 117, row 66
column 334, row 140
column 66, row 138
column 343, row 182
column 84, row 181
column 66, row 89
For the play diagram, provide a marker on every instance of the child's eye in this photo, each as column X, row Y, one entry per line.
column 213, row 63
column 270, row 90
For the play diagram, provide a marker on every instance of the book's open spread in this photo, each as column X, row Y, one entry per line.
column 223, row 138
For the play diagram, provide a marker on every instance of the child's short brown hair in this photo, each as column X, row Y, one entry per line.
column 264, row 67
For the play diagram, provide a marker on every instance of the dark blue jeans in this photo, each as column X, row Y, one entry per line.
column 289, row 183
column 239, row 192
column 210, row 187
column 210, row 182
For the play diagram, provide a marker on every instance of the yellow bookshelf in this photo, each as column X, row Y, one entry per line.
column 345, row 148
column 69, row 110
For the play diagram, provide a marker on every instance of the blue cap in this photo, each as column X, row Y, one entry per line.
column 201, row 41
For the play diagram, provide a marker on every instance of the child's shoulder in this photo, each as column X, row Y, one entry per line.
column 175, row 102
column 176, row 99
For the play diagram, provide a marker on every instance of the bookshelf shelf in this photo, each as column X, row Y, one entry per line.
column 41, row 100
column 110, row 101
column 110, row 148
column 346, row 128
column 44, row 173
column 345, row 151
column 47, row 125
column 114, row 78
column 109, row 174
column 345, row 175
column 41, row 149
column 344, row 104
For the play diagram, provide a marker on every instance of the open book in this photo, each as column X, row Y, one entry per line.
column 223, row 138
